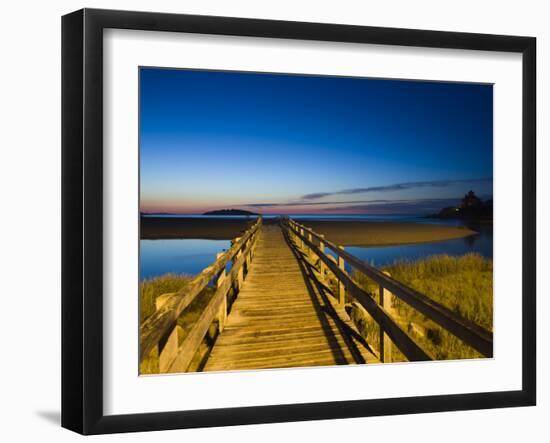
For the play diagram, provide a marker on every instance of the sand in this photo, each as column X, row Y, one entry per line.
column 360, row 233
column 347, row 233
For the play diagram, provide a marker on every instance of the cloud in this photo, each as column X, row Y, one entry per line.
column 398, row 206
column 396, row 187
column 270, row 205
column 318, row 195
column 382, row 206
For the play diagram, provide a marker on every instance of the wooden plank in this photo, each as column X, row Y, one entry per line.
column 280, row 315
column 273, row 339
column 288, row 348
column 277, row 343
column 319, row 358
column 268, row 332
column 277, row 304
column 260, row 325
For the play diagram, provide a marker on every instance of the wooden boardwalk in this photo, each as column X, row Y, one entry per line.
column 282, row 317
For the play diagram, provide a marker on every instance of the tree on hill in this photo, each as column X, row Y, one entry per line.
column 471, row 204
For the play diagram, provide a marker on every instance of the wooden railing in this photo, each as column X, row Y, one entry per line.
column 159, row 332
column 471, row 334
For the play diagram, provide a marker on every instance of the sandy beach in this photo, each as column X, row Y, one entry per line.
column 347, row 233
column 361, row 233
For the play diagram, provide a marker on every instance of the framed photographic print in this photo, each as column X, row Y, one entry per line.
column 269, row 221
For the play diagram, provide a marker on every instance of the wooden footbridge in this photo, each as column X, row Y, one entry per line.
column 281, row 300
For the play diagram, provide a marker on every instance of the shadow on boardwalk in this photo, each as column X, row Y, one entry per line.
column 282, row 316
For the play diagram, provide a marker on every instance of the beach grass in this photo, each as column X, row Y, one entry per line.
column 150, row 290
column 463, row 284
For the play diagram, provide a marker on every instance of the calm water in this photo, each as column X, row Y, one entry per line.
column 192, row 256
column 385, row 255
column 158, row 257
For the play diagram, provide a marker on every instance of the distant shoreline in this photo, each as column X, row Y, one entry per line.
column 239, row 212
column 348, row 233
column 466, row 219
column 192, row 228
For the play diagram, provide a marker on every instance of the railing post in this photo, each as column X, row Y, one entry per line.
column 235, row 284
column 310, row 251
column 341, row 287
column 301, row 238
column 248, row 257
column 222, row 315
column 170, row 350
column 322, row 266
column 385, row 341
column 240, row 274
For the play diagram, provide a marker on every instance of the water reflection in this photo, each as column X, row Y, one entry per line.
column 481, row 243
column 158, row 257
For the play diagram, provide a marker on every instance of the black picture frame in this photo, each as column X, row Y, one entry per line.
column 82, row 219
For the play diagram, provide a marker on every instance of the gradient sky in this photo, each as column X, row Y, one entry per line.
column 292, row 144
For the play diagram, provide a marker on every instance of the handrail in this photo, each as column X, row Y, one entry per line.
column 158, row 325
column 184, row 353
column 411, row 350
column 470, row 333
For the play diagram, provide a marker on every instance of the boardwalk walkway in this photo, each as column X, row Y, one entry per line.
column 282, row 316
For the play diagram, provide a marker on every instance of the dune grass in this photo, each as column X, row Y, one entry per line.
column 463, row 284
column 150, row 289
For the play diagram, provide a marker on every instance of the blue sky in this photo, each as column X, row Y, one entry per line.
column 277, row 143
